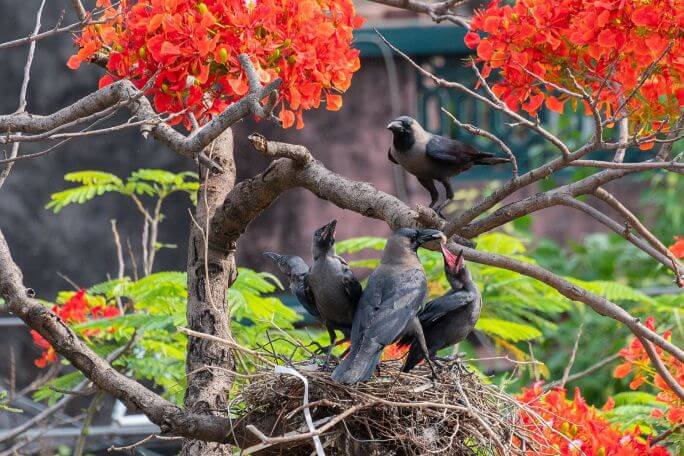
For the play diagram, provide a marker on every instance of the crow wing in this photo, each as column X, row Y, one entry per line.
column 303, row 293
column 452, row 152
column 439, row 307
column 351, row 284
column 391, row 299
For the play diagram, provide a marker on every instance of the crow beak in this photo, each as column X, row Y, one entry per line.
column 274, row 256
column 449, row 258
column 329, row 230
column 394, row 125
column 430, row 235
column 459, row 261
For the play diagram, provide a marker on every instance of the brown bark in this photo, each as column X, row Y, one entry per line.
column 211, row 270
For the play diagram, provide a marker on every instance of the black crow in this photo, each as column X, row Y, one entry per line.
column 390, row 302
column 335, row 289
column 447, row 320
column 433, row 158
column 296, row 271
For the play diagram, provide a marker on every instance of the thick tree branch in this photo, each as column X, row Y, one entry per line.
column 571, row 291
column 125, row 93
column 169, row 417
column 210, row 273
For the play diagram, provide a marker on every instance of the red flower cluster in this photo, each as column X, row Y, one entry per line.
column 639, row 364
column 607, row 45
column 677, row 248
column 575, row 428
column 76, row 309
column 194, row 45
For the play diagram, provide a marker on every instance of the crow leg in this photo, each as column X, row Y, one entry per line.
column 447, row 188
column 449, row 194
column 429, row 185
column 333, row 338
column 418, row 331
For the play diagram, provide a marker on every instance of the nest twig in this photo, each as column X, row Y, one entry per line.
column 393, row 414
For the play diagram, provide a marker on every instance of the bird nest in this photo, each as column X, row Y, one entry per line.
column 393, row 414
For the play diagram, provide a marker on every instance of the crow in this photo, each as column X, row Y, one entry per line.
column 446, row 320
column 433, row 158
column 296, row 271
column 390, row 302
column 335, row 289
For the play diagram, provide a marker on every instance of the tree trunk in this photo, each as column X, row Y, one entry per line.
column 211, row 271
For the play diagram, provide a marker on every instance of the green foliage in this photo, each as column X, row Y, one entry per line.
column 156, row 308
column 3, row 404
column 155, row 183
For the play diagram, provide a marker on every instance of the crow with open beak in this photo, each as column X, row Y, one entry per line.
column 335, row 289
column 433, row 158
column 447, row 320
column 297, row 272
column 389, row 305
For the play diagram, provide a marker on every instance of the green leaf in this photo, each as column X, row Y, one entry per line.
column 360, row 243
column 508, row 330
column 635, row 398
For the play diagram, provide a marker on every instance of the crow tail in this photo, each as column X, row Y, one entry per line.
column 359, row 365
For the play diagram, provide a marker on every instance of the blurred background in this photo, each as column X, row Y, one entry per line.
column 75, row 247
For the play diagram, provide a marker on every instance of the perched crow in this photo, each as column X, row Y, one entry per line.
column 389, row 304
column 296, row 271
column 433, row 158
column 335, row 289
column 447, row 320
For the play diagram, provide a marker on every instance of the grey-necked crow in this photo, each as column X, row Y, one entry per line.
column 333, row 285
column 433, row 158
column 390, row 302
column 447, row 320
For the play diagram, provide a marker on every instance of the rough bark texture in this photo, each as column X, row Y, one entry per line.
column 211, row 270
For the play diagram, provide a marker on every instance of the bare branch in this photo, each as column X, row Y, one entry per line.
column 4, row 172
column 485, row 134
column 673, row 166
column 588, row 371
column 48, row 33
column 439, row 11
column 571, row 361
column 80, row 10
column 661, row 368
column 635, row 223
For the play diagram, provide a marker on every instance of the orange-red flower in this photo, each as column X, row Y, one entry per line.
column 571, row 427
column 677, row 248
column 76, row 309
column 637, row 363
column 193, row 47
column 607, row 46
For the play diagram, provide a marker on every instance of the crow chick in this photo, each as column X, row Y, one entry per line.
column 447, row 320
column 433, row 158
column 296, row 271
column 335, row 289
column 390, row 302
